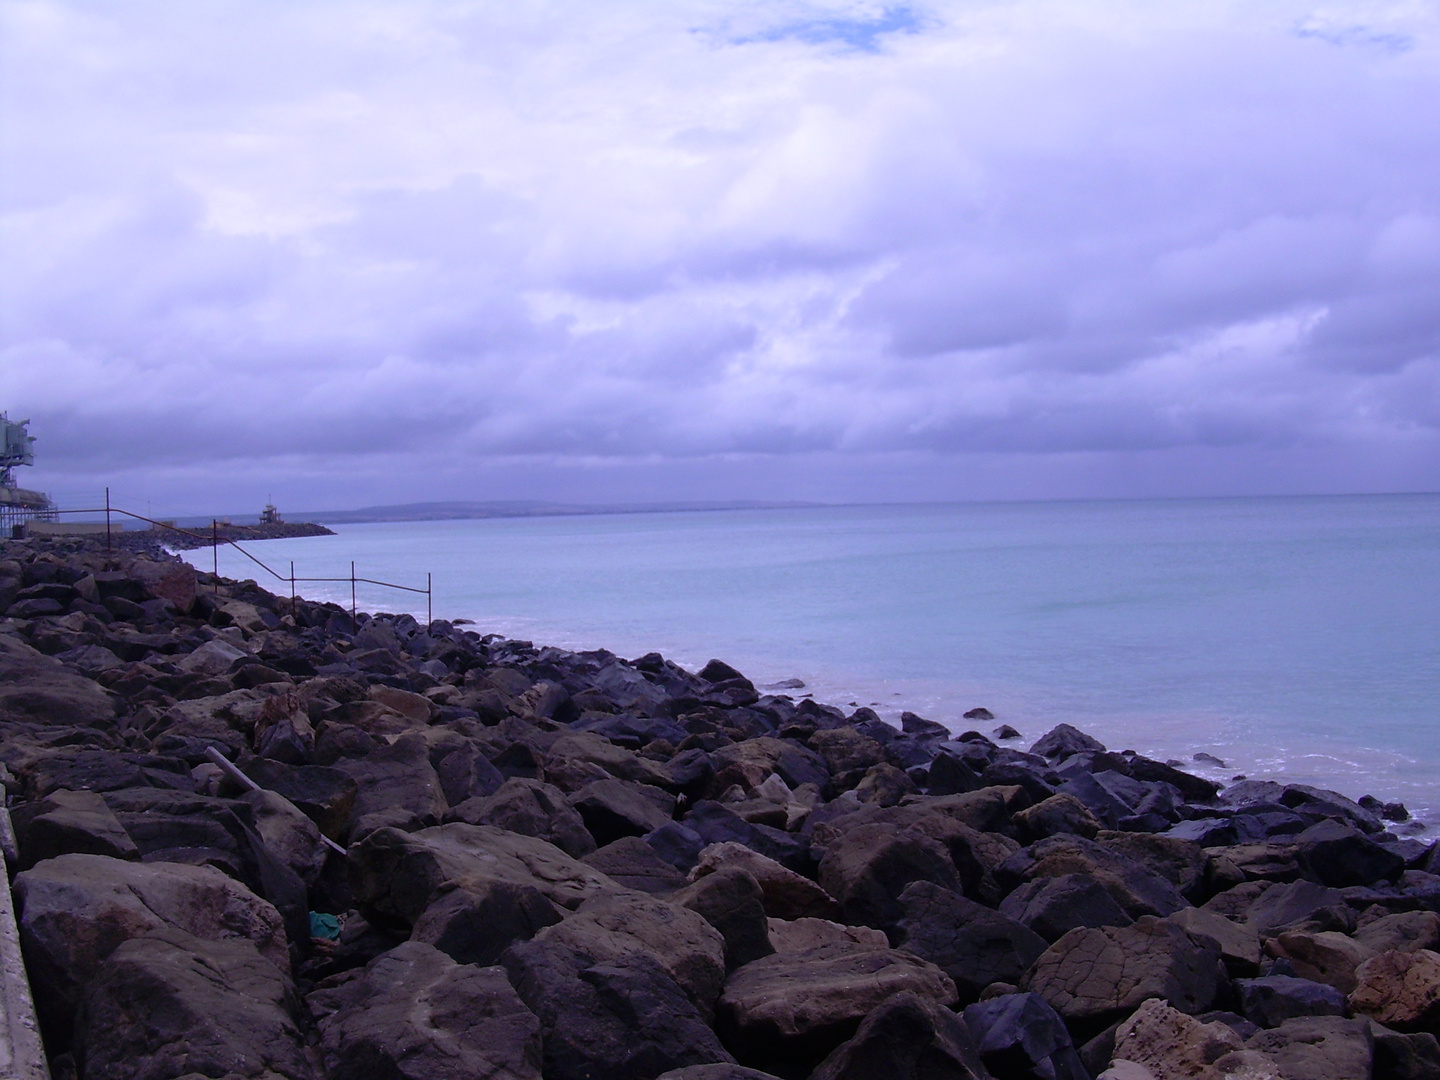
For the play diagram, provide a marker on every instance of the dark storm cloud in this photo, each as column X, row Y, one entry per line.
column 331, row 236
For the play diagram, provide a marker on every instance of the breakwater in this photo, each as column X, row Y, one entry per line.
column 573, row 865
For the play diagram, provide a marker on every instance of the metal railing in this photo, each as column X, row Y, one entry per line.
column 214, row 540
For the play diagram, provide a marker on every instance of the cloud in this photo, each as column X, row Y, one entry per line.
column 336, row 238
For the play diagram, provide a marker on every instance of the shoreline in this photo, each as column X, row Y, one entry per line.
column 522, row 825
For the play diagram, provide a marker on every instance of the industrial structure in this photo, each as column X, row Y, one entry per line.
column 19, row 505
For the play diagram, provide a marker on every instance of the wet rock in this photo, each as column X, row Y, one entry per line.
column 1020, row 1035
column 972, row 944
column 474, row 921
column 75, row 910
column 416, row 1014
column 170, row 1003
column 69, row 822
column 530, row 808
column 1092, row 975
column 633, row 863
column 797, row 1007
column 1054, row 906
column 613, row 1020
column 906, row 1038
column 731, row 900
column 1274, row 999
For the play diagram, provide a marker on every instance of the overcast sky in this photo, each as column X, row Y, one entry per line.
column 348, row 253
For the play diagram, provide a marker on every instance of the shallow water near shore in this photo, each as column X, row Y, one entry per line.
column 1290, row 637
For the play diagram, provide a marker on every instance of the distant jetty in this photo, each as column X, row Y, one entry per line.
column 201, row 536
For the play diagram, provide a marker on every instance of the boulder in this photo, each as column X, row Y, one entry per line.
column 787, row 895
column 906, row 1037
column 394, row 779
column 37, row 687
column 1317, row 1048
column 1239, row 945
column 215, row 657
column 613, row 808
column 972, row 944
column 618, row 924
column 530, row 808
column 798, row 935
column 614, row 1020
column 1062, row 741
column 416, row 708
column 1171, row 1044
column 797, row 1007
column 633, row 863
column 1272, row 1000
column 1053, row 906
column 1060, row 813
column 169, row 1004
column 1400, row 990
column 75, row 910
column 1290, row 905
column 1338, row 855
column 69, row 822
column 1092, row 975
column 415, row 1014
column 867, row 868
column 731, row 901
column 466, row 773
column 1137, row 890
column 716, row 1072
column 1406, row 931
column 716, row 824
column 1398, row 1056
column 394, row 874
column 325, row 795
column 288, row 834
column 1328, row 957
column 1021, row 1035
column 475, row 920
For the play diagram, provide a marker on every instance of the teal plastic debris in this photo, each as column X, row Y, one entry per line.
column 324, row 926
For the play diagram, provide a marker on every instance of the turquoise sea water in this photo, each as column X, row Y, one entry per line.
column 1295, row 637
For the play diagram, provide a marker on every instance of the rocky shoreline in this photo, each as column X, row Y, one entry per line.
column 465, row 856
column 202, row 536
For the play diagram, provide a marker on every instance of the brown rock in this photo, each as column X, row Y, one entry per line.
column 798, row 935
column 1400, row 990
column 1171, row 1044
column 787, row 895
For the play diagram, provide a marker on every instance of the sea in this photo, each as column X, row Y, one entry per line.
column 1290, row 638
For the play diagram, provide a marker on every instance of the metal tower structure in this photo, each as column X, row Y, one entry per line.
column 17, row 447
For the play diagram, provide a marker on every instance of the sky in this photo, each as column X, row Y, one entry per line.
column 349, row 253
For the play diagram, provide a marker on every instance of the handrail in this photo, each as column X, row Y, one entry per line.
column 215, row 540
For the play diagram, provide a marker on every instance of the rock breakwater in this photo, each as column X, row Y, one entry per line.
column 574, row 866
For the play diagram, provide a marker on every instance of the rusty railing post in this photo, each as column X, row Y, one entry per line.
column 352, row 590
column 429, row 600
column 215, row 554
column 107, row 522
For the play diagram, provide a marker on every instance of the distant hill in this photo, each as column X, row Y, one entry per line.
column 451, row 511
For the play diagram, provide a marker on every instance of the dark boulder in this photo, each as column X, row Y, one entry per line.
column 1020, row 1035
column 906, row 1038
column 474, row 921
column 170, row 1004
column 636, row 865
column 415, row 1014
column 731, row 900
column 1062, row 741
column 868, row 867
column 1338, row 855
column 1054, row 906
column 972, row 944
column 612, row 809
column 69, row 822
column 1272, row 1000
column 530, row 808
column 619, row 1019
